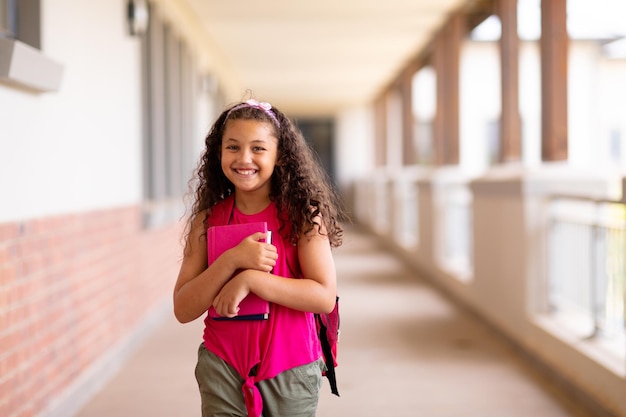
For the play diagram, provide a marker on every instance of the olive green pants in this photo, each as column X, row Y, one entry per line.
column 293, row 393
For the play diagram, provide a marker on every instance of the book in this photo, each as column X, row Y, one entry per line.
column 219, row 240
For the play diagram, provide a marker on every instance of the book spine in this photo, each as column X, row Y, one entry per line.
column 263, row 316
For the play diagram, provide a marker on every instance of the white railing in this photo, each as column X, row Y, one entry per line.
column 587, row 263
column 389, row 204
column 405, row 226
column 457, row 230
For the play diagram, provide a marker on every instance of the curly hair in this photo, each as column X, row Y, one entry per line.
column 300, row 187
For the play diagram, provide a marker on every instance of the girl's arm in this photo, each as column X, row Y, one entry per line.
column 197, row 285
column 316, row 292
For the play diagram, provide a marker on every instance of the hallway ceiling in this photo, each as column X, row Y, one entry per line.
column 312, row 58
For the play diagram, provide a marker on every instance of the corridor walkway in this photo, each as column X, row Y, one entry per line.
column 405, row 351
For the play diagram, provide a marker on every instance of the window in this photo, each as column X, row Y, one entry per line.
column 8, row 17
column 20, row 41
column 169, row 115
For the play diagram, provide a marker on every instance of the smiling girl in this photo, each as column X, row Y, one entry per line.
column 258, row 167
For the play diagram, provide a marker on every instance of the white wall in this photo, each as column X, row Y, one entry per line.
column 78, row 148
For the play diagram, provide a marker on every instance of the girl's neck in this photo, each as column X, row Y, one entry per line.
column 251, row 204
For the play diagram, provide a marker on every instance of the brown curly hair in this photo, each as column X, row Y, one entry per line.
column 300, row 187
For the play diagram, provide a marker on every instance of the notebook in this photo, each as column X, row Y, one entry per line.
column 219, row 240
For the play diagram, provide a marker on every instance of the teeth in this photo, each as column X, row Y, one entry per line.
column 246, row 171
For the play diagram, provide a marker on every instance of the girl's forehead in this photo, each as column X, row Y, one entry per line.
column 247, row 122
column 245, row 129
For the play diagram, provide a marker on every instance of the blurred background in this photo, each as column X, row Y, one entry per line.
column 482, row 142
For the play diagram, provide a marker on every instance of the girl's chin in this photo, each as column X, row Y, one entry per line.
column 245, row 182
column 248, row 186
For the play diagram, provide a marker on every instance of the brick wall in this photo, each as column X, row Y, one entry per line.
column 70, row 287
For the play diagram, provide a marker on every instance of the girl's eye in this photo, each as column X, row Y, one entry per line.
column 231, row 147
column 258, row 149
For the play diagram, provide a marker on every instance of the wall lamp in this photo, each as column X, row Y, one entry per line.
column 138, row 15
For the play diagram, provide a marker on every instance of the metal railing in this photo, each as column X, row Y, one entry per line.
column 587, row 263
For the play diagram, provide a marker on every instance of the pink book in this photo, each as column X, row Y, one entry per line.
column 219, row 240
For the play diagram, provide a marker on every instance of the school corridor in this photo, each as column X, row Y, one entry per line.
column 406, row 350
column 479, row 147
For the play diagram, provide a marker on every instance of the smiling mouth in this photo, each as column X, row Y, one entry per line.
column 246, row 171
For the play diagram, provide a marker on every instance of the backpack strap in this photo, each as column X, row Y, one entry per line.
column 328, row 332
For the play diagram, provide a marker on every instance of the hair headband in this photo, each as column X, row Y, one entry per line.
column 263, row 105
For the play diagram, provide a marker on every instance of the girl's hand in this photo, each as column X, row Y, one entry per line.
column 226, row 302
column 252, row 254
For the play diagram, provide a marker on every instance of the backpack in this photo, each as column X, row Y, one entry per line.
column 328, row 332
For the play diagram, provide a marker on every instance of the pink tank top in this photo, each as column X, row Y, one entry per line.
column 288, row 338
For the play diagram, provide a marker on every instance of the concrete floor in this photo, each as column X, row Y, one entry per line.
column 405, row 350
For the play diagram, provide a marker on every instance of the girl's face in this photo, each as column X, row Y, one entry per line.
column 249, row 153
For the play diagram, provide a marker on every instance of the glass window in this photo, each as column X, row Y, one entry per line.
column 20, row 25
column 169, row 116
column 8, row 17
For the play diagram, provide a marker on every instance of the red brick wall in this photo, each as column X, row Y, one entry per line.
column 70, row 287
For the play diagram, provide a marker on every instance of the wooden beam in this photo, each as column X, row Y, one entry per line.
column 409, row 152
column 453, row 63
column 380, row 134
column 439, row 124
column 554, row 45
column 447, row 66
column 510, row 125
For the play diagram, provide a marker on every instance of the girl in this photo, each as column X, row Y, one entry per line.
column 257, row 167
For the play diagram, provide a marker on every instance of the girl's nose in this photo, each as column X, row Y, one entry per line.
column 245, row 156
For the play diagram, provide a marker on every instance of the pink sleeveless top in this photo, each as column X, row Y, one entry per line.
column 288, row 338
